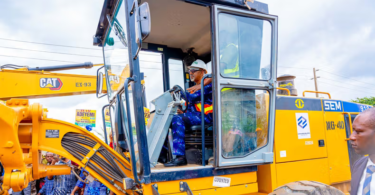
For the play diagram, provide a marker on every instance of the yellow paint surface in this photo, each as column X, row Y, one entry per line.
column 337, row 147
column 28, row 84
column 286, row 137
column 314, row 170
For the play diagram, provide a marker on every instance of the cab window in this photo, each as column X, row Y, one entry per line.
column 115, row 46
column 245, row 47
column 151, row 66
column 176, row 73
column 244, row 124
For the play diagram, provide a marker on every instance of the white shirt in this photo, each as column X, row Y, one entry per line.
column 372, row 184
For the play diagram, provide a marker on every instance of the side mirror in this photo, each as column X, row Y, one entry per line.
column 143, row 23
column 99, row 83
column 145, row 20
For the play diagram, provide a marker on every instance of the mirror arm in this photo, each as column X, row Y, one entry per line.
column 133, row 7
column 139, row 49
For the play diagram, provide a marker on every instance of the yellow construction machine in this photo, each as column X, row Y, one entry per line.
column 40, row 82
column 278, row 139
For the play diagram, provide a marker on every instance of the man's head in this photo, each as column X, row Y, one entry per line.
column 363, row 136
column 197, row 70
column 49, row 157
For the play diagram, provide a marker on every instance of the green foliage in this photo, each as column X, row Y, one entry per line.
column 365, row 100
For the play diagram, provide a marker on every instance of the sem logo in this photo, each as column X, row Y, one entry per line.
column 299, row 103
column 331, row 105
column 302, row 122
column 51, row 83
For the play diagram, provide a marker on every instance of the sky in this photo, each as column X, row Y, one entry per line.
column 337, row 37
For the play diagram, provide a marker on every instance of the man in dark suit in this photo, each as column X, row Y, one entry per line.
column 363, row 142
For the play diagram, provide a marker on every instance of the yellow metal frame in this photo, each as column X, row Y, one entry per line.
column 284, row 89
column 24, row 136
column 22, row 83
column 321, row 92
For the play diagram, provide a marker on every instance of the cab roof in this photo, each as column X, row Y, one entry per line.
column 193, row 15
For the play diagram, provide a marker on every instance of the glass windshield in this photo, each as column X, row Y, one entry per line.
column 245, row 47
column 115, row 53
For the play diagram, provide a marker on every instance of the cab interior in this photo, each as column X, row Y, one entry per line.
column 181, row 31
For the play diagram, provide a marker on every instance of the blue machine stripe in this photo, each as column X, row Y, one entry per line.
column 354, row 107
column 291, row 102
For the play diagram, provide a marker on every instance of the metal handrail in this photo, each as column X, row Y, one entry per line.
column 284, row 89
column 130, row 133
column 321, row 92
column 104, row 127
column 202, row 118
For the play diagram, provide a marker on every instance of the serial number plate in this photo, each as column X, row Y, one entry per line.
column 221, row 182
column 52, row 133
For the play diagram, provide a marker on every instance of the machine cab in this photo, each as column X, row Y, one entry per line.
column 148, row 47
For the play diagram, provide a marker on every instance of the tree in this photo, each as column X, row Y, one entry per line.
column 365, row 100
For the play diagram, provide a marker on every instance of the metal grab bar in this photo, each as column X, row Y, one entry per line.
column 104, row 127
column 329, row 95
column 202, row 118
column 98, row 81
column 130, row 133
column 284, row 89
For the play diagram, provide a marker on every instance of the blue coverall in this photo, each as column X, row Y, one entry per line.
column 191, row 117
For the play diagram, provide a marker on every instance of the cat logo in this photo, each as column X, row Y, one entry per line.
column 51, row 83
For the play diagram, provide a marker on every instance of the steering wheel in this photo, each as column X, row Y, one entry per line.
column 182, row 93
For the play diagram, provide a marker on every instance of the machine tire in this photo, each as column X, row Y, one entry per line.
column 306, row 188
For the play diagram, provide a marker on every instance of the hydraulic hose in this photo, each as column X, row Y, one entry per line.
column 108, row 167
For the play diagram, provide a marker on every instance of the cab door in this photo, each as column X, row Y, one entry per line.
column 121, row 48
column 244, row 69
column 336, row 134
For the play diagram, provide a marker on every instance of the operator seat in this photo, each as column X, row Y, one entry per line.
column 193, row 136
column 193, row 143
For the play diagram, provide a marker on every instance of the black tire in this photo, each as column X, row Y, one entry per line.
column 306, row 187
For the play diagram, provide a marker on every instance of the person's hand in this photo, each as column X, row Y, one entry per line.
column 193, row 89
column 70, row 193
column 54, row 161
column 179, row 111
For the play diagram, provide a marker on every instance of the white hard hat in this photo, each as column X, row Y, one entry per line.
column 199, row 64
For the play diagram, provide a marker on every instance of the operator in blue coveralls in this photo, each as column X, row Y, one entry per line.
column 192, row 116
